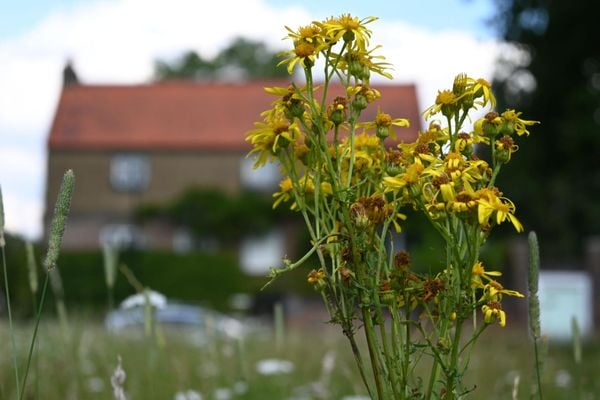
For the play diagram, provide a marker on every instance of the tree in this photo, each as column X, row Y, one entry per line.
column 189, row 66
column 210, row 213
column 555, row 177
column 242, row 59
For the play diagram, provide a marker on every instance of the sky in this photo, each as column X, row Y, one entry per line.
column 116, row 41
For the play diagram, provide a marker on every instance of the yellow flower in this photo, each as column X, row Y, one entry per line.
column 482, row 88
column 308, row 34
column 493, row 312
column 408, row 177
column 489, row 125
column 478, row 273
column 369, row 93
column 384, row 124
column 317, row 279
column 290, row 102
column 520, row 125
column 502, row 208
column 505, row 146
column 464, row 143
column 284, row 194
column 308, row 42
column 359, row 64
column 270, row 136
column 493, row 291
column 398, row 216
column 445, row 102
column 463, row 202
column 303, row 53
column 351, row 29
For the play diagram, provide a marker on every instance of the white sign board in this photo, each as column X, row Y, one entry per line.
column 564, row 295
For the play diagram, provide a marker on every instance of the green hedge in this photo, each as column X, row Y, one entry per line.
column 208, row 279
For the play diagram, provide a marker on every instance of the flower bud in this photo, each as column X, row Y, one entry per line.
column 387, row 297
column 382, row 131
column 491, row 124
column 317, row 279
column 460, row 84
column 402, row 260
column 337, row 110
column 360, row 102
column 393, row 169
column 507, row 128
column 348, row 36
column 359, row 216
column 355, row 68
column 294, row 108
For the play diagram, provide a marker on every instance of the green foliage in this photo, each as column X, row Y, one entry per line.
column 195, row 277
column 208, row 279
column 556, row 178
column 250, row 59
column 211, row 213
column 18, row 275
column 189, row 66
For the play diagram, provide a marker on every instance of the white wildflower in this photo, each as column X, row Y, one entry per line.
column 118, row 380
column 273, row 366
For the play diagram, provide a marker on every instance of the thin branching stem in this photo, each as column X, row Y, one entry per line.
column 35, row 332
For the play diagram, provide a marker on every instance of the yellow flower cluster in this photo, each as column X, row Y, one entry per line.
column 352, row 182
column 492, row 294
column 319, row 39
column 453, row 184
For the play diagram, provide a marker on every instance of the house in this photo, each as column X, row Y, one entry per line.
column 130, row 145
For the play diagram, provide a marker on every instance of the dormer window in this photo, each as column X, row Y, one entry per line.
column 129, row 173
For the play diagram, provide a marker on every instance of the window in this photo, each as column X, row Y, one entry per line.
column 130, row 172
column 260, row 253
column 120, row 236
column 264, row 178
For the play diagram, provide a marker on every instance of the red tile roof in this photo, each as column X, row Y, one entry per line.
column 183, row 115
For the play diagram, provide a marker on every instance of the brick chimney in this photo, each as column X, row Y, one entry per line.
column 69, row 75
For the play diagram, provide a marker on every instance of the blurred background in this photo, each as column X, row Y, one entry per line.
column 148, row 102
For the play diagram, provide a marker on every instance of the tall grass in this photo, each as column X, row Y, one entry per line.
column 187, row 363
column 61, row 213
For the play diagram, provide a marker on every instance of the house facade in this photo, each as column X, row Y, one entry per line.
column 133, row 145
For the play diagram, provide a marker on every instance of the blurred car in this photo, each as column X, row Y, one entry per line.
column 132, row 314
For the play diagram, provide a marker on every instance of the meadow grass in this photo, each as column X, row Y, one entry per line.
column 79, row 365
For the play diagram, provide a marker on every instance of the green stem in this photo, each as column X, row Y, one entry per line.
column 353, row 120
column 34, row 336
column 349, row 333
column 538, row 372
column 389, row 359
column 373, row 350
column 452, row 370
column 10, row 322
column 396, row 335
column 437, row 359
column 276, row 272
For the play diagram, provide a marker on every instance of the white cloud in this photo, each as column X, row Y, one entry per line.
column 113, row 41
column 23, row 214
column 432, row 60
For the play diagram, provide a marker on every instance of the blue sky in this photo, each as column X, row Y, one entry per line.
column 18, row 16
column 470, row 15
column 117, row 42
